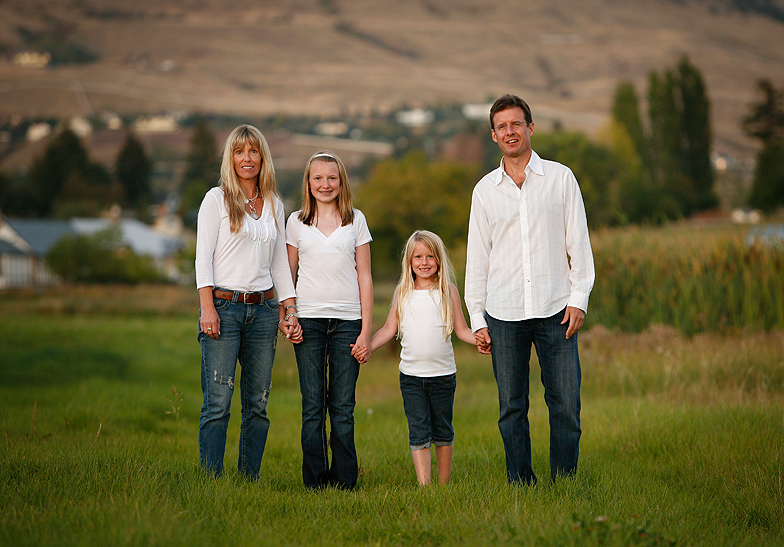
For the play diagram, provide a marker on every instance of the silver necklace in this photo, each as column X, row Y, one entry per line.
column 251, row 202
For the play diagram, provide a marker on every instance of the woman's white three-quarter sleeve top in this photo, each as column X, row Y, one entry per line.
column 253, row 259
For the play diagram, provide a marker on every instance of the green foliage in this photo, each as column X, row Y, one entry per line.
column 597, row 168
column 413, row 193
column 100, row 258
column 678, row 175
column 133, row 169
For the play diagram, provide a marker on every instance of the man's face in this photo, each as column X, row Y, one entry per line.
column 512, row 133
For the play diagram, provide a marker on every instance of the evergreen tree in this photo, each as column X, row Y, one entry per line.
column 62, row 158
column 132, row 169
column 696, row 136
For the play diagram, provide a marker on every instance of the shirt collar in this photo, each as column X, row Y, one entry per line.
column 535, row 166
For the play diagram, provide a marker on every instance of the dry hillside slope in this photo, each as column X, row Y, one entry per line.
column 329, row 57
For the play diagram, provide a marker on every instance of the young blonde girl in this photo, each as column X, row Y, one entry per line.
column 329, row 254
column 424, row 313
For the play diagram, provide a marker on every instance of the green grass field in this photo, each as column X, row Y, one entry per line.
column 683, row 444
column 683, row 434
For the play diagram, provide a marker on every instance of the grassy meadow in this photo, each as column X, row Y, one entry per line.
column 683, row 434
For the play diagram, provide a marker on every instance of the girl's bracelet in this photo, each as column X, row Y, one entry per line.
column 289, row 306
column 290, row 315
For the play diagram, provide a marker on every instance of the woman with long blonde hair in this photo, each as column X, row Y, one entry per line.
column 240, row 257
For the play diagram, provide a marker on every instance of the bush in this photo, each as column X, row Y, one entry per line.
column 100, row 258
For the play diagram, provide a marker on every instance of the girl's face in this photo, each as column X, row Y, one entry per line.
column 247, row 162
column 423, row 262
column 324, row 181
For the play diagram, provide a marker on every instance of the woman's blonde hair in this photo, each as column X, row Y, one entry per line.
column 345, row 205
column 442, row 280
column 233, row 193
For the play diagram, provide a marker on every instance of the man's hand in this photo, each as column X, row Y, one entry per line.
column 575, row 318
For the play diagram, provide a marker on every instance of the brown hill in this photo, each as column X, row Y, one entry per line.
column 331, row 57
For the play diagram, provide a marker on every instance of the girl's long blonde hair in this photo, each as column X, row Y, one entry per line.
column 233, row 194
column 442, row 281
column 345, row 204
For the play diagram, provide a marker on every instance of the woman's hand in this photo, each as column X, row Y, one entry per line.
column 291, row 329
column 209, row 320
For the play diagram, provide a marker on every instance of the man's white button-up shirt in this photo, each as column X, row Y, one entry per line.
column 529, row 254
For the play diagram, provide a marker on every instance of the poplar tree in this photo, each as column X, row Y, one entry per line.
column 765, row 122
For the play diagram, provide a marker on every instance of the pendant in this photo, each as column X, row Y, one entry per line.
column 254, row 216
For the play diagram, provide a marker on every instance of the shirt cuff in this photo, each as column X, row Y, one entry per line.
column 478, row 322
column 578, row 300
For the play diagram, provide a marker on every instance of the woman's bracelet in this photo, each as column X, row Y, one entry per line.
column 290, row 315
column 289, row 306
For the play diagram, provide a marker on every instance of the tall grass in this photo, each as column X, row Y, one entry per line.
column 697, row 280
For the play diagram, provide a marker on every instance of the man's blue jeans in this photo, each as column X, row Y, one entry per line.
column 248, row 332
column 327, row 380
column 560, row 365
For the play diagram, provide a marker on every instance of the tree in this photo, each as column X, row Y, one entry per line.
column 412, row 193
column 64, row 181
column 132, row 169
column 63, row 157
column 696, row 136
column 626, row 111
column 202, row 170
column 101, row 257
column 765, row 122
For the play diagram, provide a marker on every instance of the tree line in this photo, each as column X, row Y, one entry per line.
column 646, row 167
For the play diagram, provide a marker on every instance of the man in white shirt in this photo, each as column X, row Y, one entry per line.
column 529, row 273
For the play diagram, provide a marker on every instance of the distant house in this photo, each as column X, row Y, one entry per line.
column 25, row 242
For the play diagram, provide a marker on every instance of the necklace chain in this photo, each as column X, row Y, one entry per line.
column 252, row 204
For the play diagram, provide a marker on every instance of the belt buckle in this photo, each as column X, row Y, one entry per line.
column 245, row 297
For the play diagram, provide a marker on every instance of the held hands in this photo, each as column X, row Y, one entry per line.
column 361, row 350
column 483, row 341
column 291, row 329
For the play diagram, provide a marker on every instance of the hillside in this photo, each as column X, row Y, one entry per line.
column 328, row 57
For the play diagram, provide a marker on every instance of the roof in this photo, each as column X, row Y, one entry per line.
column 41, row 235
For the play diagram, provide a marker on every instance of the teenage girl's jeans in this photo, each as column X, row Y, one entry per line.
column 560, row 365
column 248, row 332
column 327, row 379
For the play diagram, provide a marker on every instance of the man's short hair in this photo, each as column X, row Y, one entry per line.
column 510, row 101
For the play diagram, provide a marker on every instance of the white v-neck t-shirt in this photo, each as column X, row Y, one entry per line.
column 327, row 280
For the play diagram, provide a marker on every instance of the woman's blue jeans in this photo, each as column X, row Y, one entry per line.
column 327, row 379
column 560, row 365
column 248, row 333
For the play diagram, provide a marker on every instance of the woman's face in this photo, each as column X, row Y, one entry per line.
column 247, row 162
column 324, row 181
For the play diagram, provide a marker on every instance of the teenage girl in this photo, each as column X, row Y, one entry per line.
column 329, row 241
column 424, row 313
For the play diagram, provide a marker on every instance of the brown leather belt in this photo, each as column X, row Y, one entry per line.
column 244, row 297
